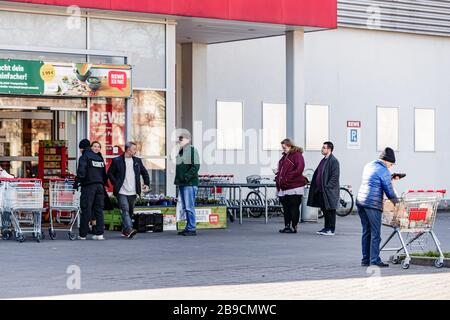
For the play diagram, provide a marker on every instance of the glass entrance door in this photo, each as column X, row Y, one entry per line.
column 20, row 132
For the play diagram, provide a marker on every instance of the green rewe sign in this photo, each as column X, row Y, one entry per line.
column 21, row 77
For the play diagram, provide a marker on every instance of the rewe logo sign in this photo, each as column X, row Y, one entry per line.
column 108, row 117
column 117, row 79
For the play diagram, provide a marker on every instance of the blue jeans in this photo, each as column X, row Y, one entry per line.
column 126, row 205
column 187, row 198
column 371, row 235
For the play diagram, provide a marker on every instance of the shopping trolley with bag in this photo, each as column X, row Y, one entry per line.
column 23, row 205
column 64, row 207
column 414, row 216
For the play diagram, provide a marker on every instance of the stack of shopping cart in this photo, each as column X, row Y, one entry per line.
column 21, row 208
column 213, row 193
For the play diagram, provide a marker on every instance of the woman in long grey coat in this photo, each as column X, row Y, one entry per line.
column 324, row 190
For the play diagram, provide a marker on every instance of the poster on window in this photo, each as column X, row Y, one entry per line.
column 149, row 122
column 107, row 125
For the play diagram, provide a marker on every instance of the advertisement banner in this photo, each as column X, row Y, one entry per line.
column 64, row 79
column 206, row 218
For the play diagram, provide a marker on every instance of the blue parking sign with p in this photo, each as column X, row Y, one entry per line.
column 354, row 135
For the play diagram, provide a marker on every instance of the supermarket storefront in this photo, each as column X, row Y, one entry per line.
column 44, row 101
column 53, row 88
column 162, row 91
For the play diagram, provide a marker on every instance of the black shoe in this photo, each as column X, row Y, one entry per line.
column 365, row 264
column 190, row 233
column 181, row 233
column 286, row 230
column 381, row 265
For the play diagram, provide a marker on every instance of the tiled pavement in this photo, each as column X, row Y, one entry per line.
column 249, row 261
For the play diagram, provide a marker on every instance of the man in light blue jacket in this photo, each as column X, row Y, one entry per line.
column 376, row 181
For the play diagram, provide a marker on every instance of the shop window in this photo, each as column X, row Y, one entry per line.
column 387, row 128
column 317, row 124
column 144, row 44
column 149, row 133
column 149, row 122
column 274, row 125
column 42, row 30
column 229, row 125
column 157, row 172
column 424, row 130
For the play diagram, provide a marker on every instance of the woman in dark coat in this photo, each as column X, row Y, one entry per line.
column 290, row 184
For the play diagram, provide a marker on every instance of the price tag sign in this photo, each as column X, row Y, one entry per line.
column 48, row 72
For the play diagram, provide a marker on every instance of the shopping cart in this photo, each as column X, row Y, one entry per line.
column 23, row 205
column 213, row 193
column 415, row 215
column 5, row 222
column 64, row 207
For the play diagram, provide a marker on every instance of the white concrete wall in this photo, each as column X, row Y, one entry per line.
column 353, row 71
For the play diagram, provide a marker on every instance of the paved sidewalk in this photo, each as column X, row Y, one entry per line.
column 405, row 287
column 249, row 261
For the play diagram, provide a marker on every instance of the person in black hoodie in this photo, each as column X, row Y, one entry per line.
column 96, row 147
column 91, row 175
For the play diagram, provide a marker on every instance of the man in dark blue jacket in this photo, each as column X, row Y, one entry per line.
column 376, row 181
column 91, row 175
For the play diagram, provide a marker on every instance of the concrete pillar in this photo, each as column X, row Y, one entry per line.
column 194, row 87
column 170, row 107
column 295, row 86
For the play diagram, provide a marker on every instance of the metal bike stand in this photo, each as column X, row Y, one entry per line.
column 240, row 205
column 266, row 204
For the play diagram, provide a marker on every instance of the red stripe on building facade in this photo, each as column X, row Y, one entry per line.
column 313, row 13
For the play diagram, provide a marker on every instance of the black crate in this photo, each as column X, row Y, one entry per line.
column 148, row 222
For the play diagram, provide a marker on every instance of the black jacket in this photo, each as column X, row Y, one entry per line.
column 330, row 185
column 117, row 171
column 91, row 169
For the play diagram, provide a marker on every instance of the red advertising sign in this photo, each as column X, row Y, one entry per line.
column 117, row 79
column 107, row 126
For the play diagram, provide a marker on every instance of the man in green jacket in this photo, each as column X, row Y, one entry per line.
column 186, row 178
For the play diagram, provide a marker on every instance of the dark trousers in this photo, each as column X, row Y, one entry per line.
column 92, row 201
column 330, row 219
column 329, row 215
column 291, row 209
column 371, row 234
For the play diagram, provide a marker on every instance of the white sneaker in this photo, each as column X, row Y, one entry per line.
column 81, row 238
column 100, row 237
column 327, row 233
